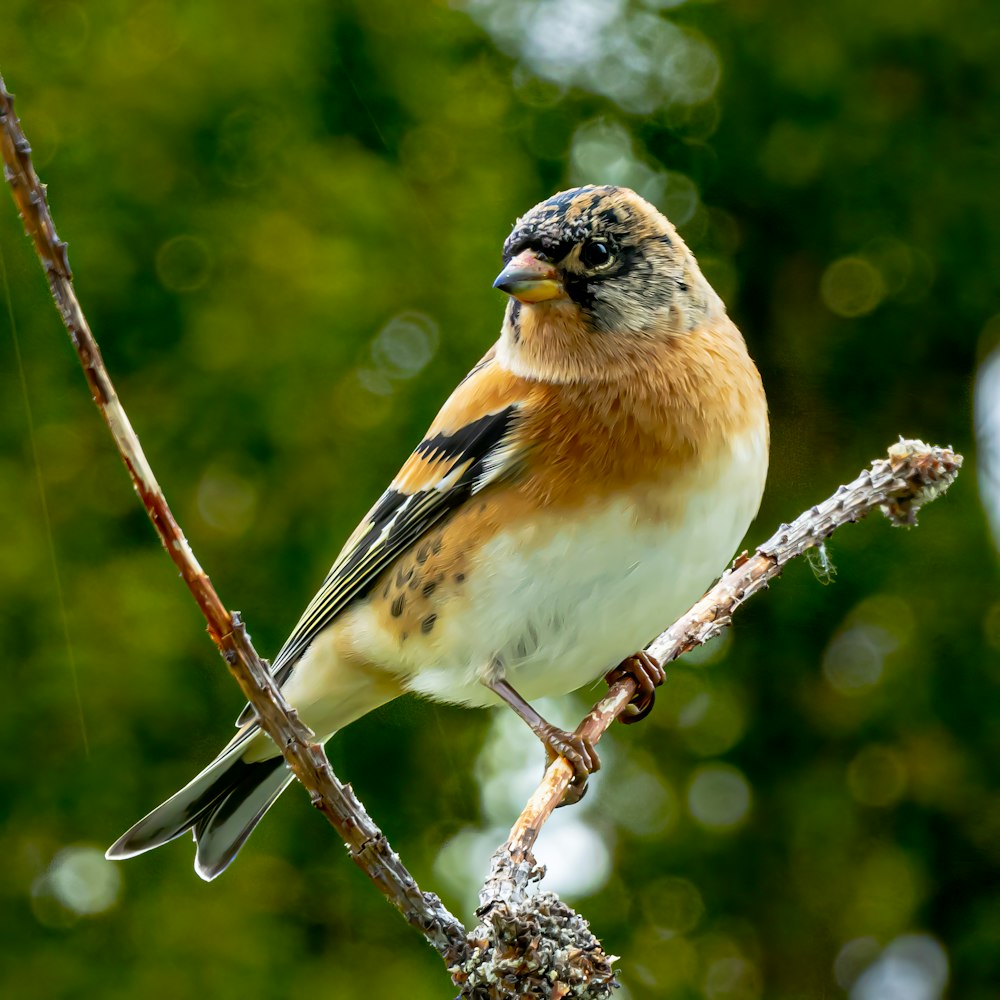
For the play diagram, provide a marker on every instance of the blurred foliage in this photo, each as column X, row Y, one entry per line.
column 284, row 220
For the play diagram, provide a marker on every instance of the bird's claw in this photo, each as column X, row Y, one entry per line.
column 578, row 751
column 648, row 675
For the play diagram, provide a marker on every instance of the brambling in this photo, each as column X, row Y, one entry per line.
column 579, row 490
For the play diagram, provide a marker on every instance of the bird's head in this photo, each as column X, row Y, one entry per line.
column 593, row 274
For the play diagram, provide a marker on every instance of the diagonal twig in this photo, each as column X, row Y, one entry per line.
column 529, row 942
column 366, row 844
column 911, row 474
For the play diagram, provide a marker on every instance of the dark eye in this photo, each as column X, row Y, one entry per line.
column 594, row 253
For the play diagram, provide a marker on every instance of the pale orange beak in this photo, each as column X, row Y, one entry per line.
column 529, row 279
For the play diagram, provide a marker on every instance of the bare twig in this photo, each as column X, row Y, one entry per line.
column 529, row 943
column 912, row 474
column 366, row 844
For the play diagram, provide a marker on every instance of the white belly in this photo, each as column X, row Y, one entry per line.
column 558, row 604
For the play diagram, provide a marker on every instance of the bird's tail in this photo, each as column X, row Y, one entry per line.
column 221, row 805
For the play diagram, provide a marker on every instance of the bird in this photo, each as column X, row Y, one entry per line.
column 580, row 489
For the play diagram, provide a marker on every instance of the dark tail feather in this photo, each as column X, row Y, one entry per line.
column 222, row 829
column 222, row 805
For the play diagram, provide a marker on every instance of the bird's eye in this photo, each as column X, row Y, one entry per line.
column 594, row 253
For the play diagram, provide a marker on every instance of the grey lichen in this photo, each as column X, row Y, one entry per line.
column 531, row 944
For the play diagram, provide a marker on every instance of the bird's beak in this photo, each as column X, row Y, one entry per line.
column 529, row 279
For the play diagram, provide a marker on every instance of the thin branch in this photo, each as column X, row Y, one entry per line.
column 366, row 844
column 529, row 943
column 912, row 474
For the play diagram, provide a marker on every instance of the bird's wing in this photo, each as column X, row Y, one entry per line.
column 471, row 444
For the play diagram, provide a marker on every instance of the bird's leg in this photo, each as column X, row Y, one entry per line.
column 648, row 675
column 578, row 750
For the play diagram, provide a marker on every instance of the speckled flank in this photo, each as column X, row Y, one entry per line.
column 410, row 597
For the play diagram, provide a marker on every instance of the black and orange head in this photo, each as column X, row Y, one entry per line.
column 606, row 253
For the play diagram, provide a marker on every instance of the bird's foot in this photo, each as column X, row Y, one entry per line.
column 578, row 751
column 648, row 675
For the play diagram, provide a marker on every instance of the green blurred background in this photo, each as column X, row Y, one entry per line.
column 284, row 220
